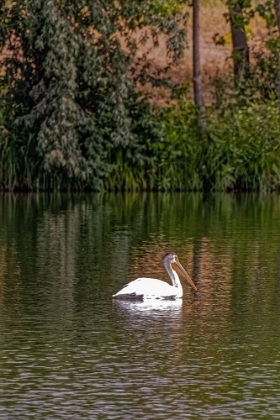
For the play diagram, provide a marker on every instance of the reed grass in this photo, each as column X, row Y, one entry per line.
column 238, row 151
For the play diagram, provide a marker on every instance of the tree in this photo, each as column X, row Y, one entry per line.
column 277, row 11
column 239, row 41
column 270, row 12
column 68, row 86
column 197, row 83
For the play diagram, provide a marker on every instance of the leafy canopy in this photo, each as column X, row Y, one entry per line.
column 68, row 76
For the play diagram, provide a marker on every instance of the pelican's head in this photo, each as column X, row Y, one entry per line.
column 171, row 260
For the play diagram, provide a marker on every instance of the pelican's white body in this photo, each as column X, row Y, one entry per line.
column 146, row 288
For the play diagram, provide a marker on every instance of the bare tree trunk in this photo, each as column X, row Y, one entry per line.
column 277, row 10
column 239, row 42
column 197, row 84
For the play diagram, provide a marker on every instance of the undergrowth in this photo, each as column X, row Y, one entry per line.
column 239, row 150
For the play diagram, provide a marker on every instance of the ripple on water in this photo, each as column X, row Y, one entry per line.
column 68, row 351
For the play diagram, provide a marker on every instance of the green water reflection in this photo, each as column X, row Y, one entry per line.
column 68, row 351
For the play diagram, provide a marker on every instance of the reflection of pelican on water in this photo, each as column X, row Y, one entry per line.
column 146, row 288
column 151, row 307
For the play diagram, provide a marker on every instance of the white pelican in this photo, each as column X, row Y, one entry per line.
column 146, row 288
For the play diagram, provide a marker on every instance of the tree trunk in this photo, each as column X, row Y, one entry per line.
column 277, row 10
column 239, row 42
column 197, row 84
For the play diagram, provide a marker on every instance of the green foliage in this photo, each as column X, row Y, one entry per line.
column 72, row 118
column 239, row 151
column 167, row 7
column 260, row 86
column 266, row 11
column 68, row 87
column 245, row 12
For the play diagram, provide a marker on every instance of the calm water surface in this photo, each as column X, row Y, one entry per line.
column 68, row 351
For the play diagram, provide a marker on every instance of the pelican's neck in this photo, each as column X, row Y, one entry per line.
column 173, row 276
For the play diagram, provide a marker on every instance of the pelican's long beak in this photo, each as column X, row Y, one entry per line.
column 180, row 270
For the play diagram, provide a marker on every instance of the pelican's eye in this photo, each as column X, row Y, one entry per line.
column 176, row 258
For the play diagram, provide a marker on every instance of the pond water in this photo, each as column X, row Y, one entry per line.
column 68, row 351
